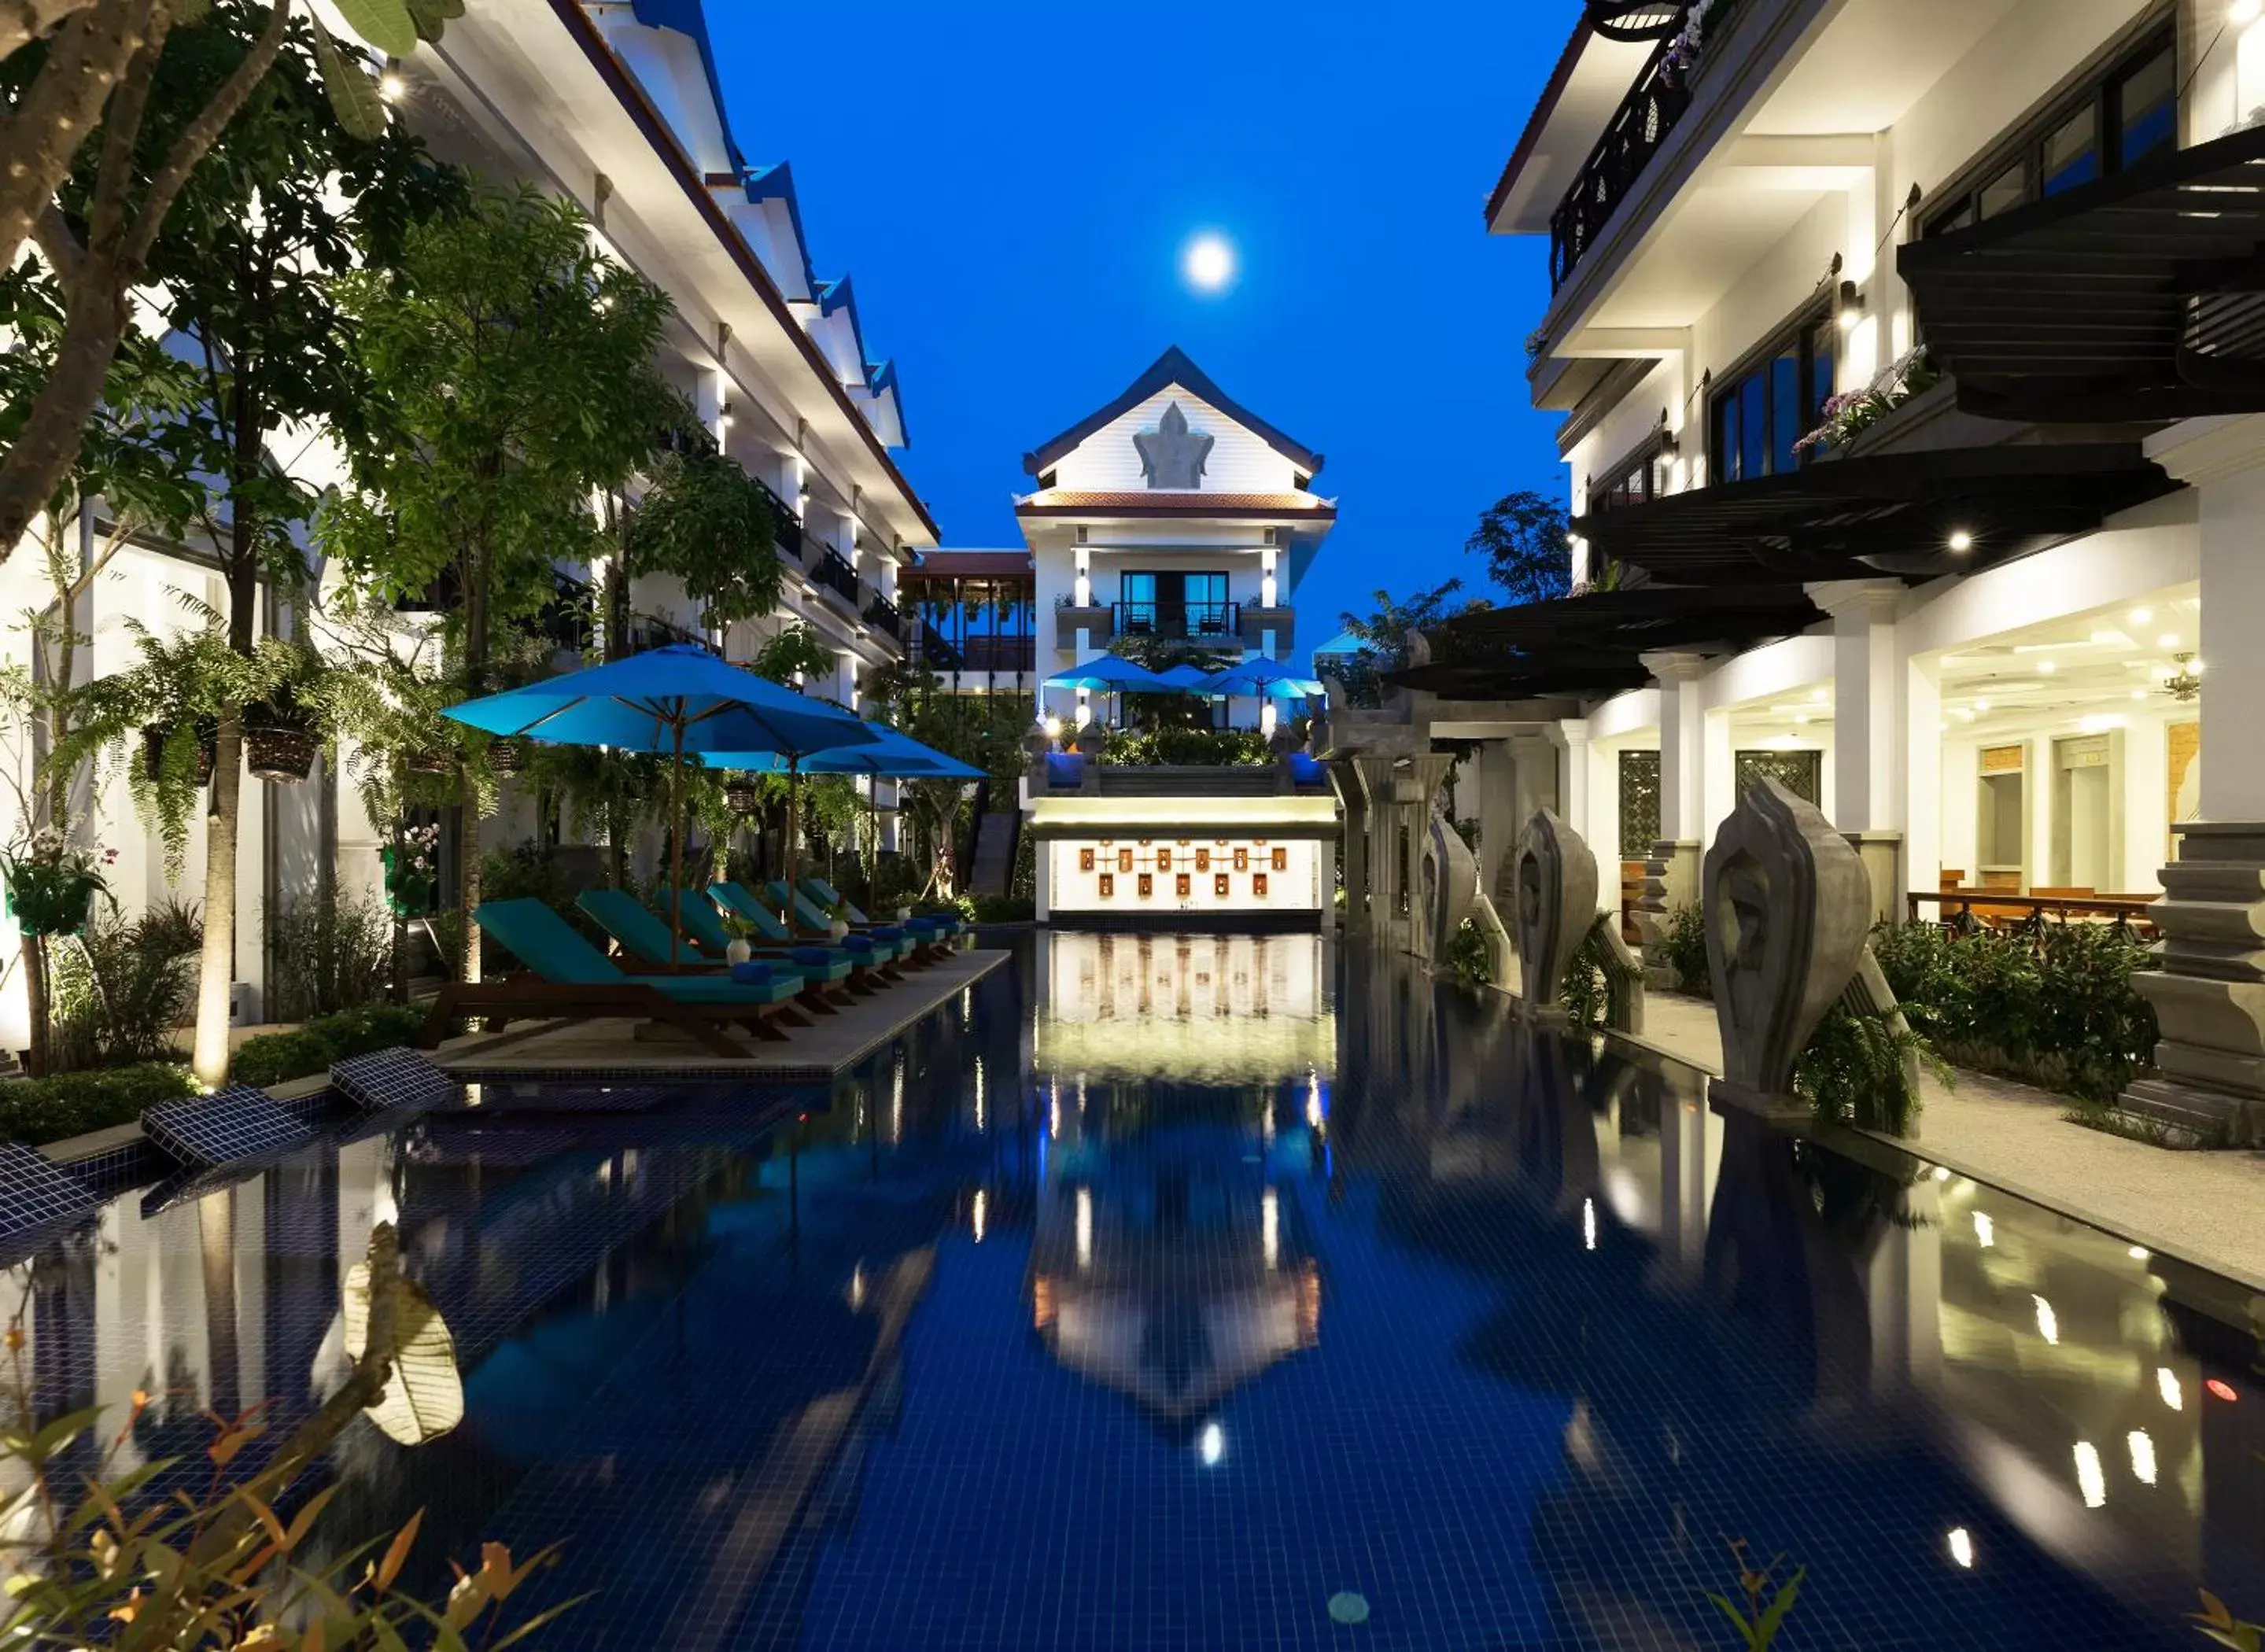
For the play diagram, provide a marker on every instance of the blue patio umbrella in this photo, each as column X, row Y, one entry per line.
column 677, row 701
column 1183, row 675
column 1265, row 679
column 1110, row 675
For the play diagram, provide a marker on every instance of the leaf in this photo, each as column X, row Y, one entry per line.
column 353, row 95
column 396, row 1555
column 386, row 25
column 1766, row 1626
column 430, row 16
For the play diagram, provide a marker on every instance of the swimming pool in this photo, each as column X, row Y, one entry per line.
column 1226, row 1292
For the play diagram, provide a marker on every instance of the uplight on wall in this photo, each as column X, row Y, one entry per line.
column 1850, row 311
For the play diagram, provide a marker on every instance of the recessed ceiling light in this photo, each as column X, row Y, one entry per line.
column 2138, row 694
column 2168, row 639
column 2046, row 668
column 2243, row 11
column 2140, row 616
column 1981, row 705
column 1961, row 541
column 1817, row 697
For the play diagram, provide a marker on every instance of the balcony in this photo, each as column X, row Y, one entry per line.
column 789, row 528
column 1212, row 622
column 833, row 573
column 1256, row 621
column 885, row 616
column 1637, row 130
column 932, row 649
column 998, row 656
column 1098, row 620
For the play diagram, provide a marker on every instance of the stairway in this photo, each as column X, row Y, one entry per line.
column 994, row 865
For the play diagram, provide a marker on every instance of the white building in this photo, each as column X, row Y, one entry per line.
column 1972, row 631
column 618, row 107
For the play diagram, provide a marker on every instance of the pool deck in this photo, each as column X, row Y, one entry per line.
column 623, row 1049
column 2198, row 1206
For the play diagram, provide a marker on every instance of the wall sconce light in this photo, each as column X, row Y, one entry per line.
column 1851, row 308
column 723, row 416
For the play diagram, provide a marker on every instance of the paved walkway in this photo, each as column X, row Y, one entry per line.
column 2207, row 1208
column 625, row 1049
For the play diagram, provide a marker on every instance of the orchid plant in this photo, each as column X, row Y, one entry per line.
column 1850, row 412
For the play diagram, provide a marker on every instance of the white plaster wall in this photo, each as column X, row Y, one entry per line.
column 1238, row 462
column 1297, row 888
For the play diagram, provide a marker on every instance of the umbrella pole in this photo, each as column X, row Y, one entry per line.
column 873, row 830
column 676, row 848
column 793, row 834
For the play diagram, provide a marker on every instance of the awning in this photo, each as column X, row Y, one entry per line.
column 2137, row 297
column 1916, row 515
column 1593, row 644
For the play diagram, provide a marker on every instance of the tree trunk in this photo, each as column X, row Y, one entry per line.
column 49, row 439
column 63, row 104
column 36, row 1057
column 475, row 596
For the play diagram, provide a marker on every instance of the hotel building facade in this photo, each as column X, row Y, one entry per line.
column 1910, row 374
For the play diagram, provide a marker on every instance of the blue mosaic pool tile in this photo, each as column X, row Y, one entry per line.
column 37, row 1197
column 389, row 1079
column 236, row 1126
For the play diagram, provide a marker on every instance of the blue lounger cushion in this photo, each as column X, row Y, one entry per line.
column 735, row 899
column 644, row 936
column 752, row 974
column 1064, row 770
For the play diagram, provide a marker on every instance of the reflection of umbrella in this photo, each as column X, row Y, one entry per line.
column 675, row 700
column 891, row 754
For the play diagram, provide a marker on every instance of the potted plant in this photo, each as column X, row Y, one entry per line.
column 52, row 886
column 507, row 756
column 155, row 737
column 411, row 865
column 743, row 796
column 744, row 935
column 837, row 921
column 280, row 741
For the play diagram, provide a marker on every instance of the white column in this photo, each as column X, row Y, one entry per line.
column 1573, row 802
column 1682, row 751
column 1922, row 776
column 1864, row 721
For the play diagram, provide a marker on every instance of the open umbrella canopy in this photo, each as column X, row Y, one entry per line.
column 679, row 699
column 1265, row 679
column 890, row 754
column 1183, row 675
column 1109, row 675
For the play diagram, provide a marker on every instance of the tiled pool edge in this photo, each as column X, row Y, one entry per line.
column 120, row 1157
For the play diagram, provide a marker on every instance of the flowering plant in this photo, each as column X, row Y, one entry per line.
column 1853, row 411
column 52, row 884
column 413, row 864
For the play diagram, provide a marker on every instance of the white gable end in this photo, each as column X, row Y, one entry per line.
column 1238, row 461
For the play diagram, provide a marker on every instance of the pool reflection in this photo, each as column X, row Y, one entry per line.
column 1218, row 1275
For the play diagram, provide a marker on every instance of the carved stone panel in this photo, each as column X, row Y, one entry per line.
column 1555, row 902
column 1787, row 907
column 1172, row 455
column 1451, row 884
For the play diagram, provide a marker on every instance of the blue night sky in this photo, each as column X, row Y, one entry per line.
column 1012, row 183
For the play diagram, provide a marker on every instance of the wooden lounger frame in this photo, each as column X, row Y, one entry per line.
column 497, row 1003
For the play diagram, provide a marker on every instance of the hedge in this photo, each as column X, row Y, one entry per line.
column 36, row 1111
column 277, row 1057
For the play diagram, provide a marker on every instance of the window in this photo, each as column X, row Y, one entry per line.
column 1174, row 604
column 1756, row 418
column 2127, row 111
column 1637, row 479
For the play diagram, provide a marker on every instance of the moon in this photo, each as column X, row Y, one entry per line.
column 1208, row 263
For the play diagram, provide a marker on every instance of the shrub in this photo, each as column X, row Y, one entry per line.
column 277, row 1057
column 1858, row 1069
column 328, row 955
column 1592, row 974
column 1185, row 747
column 1468, row 959
column 36, row 1111
column 2054, row 1008
column 1003, row 908
column 1684, row 946
column 122, row 988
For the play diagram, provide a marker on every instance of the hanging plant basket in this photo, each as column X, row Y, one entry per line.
column 507, row 757
column 154, row 740
column 431, row 763
column 281, row 754
column 744, row 797
column 46, row 899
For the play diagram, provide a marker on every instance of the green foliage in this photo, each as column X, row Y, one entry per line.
column 190, row 1551
column 706, row 522
column 795, row 649
column 277, row 1057
column 1523, row 537
column 1384, row 633
column 1592, row 975
column 1684, row 946
column 1192, row 747
column 985, row 731
column 1858, row 1068
column 2055, row 1008
column 2216, row 1623
column 1468, row 958
column 122, row 987
column 1000, row 908
column 1759, row 1612
column 41, row 1110
column 329, row 955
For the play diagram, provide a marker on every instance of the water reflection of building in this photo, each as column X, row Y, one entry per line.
column 1202, row 1007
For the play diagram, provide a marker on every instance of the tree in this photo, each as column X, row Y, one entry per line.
column 92, row 162
column 796, row 651
column 510, row 364
column 1384, row 633
column 252, row 260
column 1523, row 537
column 708, row 524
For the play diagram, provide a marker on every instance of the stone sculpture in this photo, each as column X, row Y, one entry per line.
column 1450, row 883
column 1787, row 907
column 1172, row 455
column 1554, row 896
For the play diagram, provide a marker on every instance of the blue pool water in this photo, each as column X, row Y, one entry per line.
column 1219, row 1291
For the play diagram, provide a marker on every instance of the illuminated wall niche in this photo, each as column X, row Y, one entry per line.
column 1219, row 885
column 1085, row 860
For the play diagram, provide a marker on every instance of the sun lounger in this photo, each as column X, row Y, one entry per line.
column 575, row 980
column 864, row 968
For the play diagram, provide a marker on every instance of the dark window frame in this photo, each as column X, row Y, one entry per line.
column 1647, row 459
column 2097, row 89
column 1798, row 332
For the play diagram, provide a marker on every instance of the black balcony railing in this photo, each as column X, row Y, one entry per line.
column 1000, row 655
column 790, row 525
column 884, row 615
column 835, row 572
column 1637, row 129
column 935, row 650
column 1202, row 622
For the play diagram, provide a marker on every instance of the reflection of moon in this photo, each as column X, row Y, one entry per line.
column 423, row 1398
